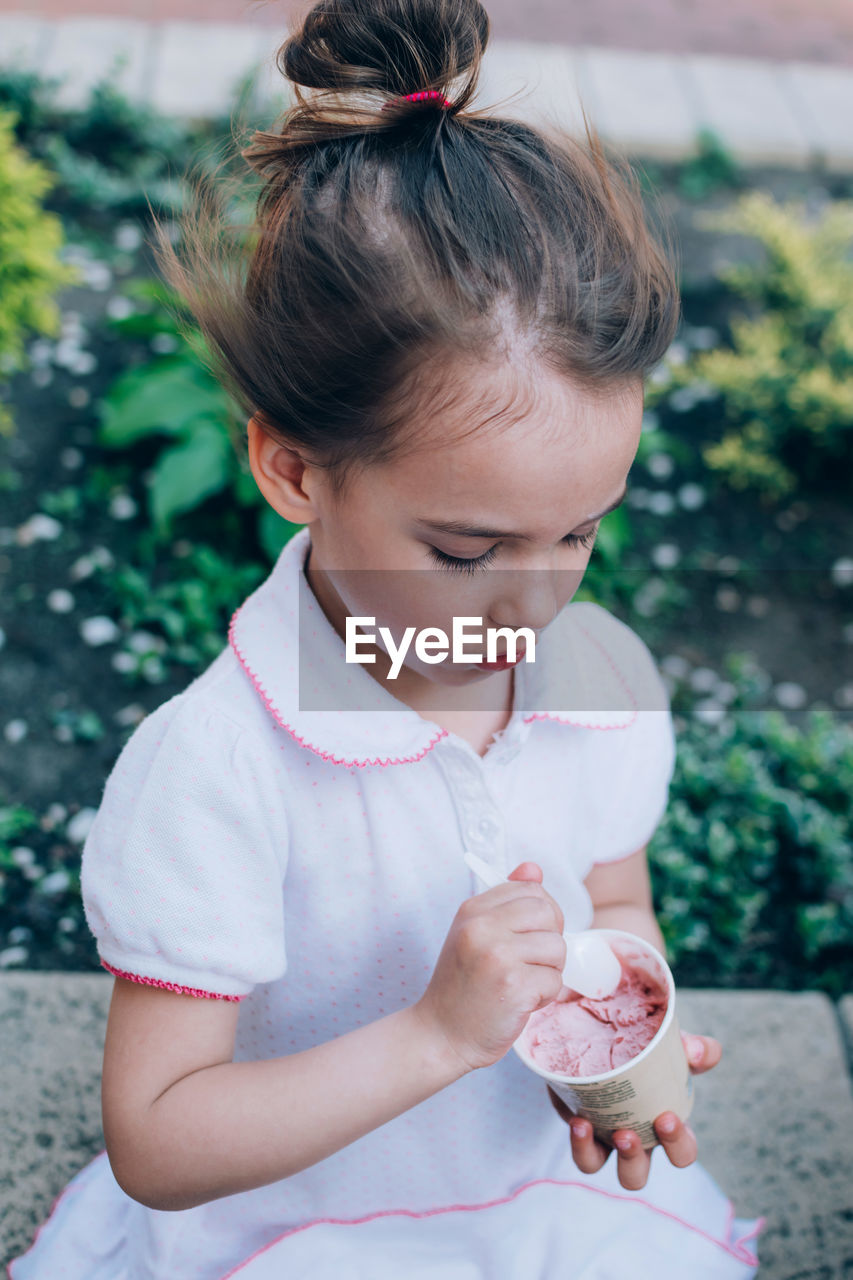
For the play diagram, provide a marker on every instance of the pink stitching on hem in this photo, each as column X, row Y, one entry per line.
column 324, row 755
column 170, row 986
column 734, row 1247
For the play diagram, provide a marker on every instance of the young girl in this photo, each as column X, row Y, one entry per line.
column 308, row 1072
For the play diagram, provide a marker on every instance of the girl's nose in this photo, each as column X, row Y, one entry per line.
column 529, row 598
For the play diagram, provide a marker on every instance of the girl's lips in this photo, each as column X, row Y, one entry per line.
column 501, row 664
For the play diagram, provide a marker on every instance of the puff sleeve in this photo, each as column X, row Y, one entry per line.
column 628, row 771
column 183, row 867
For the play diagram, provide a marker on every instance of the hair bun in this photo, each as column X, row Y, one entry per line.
column 392, row 47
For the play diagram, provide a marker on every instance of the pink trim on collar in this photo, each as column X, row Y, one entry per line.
column 584, row 724
column 324, row 755
column 735, row 1248
column 169, row 986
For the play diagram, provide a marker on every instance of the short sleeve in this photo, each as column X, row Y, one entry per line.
column 628, row 771
column 182, row 873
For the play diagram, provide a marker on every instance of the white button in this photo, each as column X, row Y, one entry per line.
column 488, row 826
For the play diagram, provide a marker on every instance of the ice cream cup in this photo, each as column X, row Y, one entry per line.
column 634, row 1094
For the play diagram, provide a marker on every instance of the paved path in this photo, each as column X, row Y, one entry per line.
column 811, row 30
column 773, row 1119
column 794, row 113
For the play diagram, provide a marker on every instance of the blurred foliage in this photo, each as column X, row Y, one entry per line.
column 711, row 167
column 115, row 155
column 783, row 391
column 31, row 270
column 176, row 398
column 752, row 865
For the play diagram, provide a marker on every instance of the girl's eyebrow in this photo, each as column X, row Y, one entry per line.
column 475, row 531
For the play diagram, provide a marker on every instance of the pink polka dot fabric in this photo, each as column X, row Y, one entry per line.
column 308, row 864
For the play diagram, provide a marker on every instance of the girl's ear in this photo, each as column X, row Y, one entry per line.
column 283, row 477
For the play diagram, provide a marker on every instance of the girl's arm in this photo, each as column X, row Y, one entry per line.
column 621, row 894
column 184, row 1124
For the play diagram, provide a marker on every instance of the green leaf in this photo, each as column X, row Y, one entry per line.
column 167, row 397
column 188, row 473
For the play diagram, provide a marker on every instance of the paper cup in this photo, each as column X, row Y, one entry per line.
column 633, row 1095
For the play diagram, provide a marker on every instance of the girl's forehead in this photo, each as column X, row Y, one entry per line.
column 565, row 456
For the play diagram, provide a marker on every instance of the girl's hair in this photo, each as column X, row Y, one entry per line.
column 396, row 243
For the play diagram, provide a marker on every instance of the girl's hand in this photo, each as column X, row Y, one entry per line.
column 633, row 1162
column 503, row 957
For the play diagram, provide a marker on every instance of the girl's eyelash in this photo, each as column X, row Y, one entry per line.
column 460, row 565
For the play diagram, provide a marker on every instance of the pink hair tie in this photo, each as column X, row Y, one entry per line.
column 423, row 95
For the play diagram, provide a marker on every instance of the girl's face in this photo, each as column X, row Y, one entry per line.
column 498, row 525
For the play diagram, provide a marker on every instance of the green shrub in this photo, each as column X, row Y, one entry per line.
column 752, row 865
column 176, row 401
column 785, row 387
column 31, row 271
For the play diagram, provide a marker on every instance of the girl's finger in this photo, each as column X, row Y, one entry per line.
column 677, row 1139
column 634, row 1162
column 587, row 1152
column 703, row 1052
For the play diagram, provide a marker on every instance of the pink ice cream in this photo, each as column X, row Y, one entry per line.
column 586, row 1037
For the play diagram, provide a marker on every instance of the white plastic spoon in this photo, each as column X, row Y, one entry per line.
column 591, row 967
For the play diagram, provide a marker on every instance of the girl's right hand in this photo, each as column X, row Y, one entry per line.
column 502, row 959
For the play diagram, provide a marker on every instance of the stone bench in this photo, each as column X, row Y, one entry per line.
column 774, row 1120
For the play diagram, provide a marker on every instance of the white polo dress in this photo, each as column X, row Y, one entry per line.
column 308, row 864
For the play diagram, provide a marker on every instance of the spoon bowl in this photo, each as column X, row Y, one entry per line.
column 592, row 968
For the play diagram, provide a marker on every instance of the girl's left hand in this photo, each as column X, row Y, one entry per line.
column 679, row 1141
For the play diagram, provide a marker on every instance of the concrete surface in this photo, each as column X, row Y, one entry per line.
column 789, row 112
column 774, row 1119
column 815, row 30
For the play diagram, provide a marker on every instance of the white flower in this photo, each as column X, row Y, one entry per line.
column 84, row 362
column 661, row 503
column 666, row 555
column 727, row 599
column 79, row 397
column 128, row 237
column 691, row 496
column 78, row 828
column 704, row 680
column 123, row 662
column 709, row 711
column 38, row 527
column 132, row 714
column 677, row 353
column 15, row 731
column 123, row 507
column 659, row 465
column 842, row 572
column 674, row 665
column 57, row 882
column 119, row 307
column 99, row 630
column 40, row 353
column 164, row 343
column 71, row 458
column 22, row 856
column 790, row 695
column 13, row 955
column 60, row 601
column 145, row 641
column 844, row 696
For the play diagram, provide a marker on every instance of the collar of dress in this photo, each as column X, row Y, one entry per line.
column 575, row 681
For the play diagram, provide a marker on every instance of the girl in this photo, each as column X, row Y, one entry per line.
column 441, row 342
